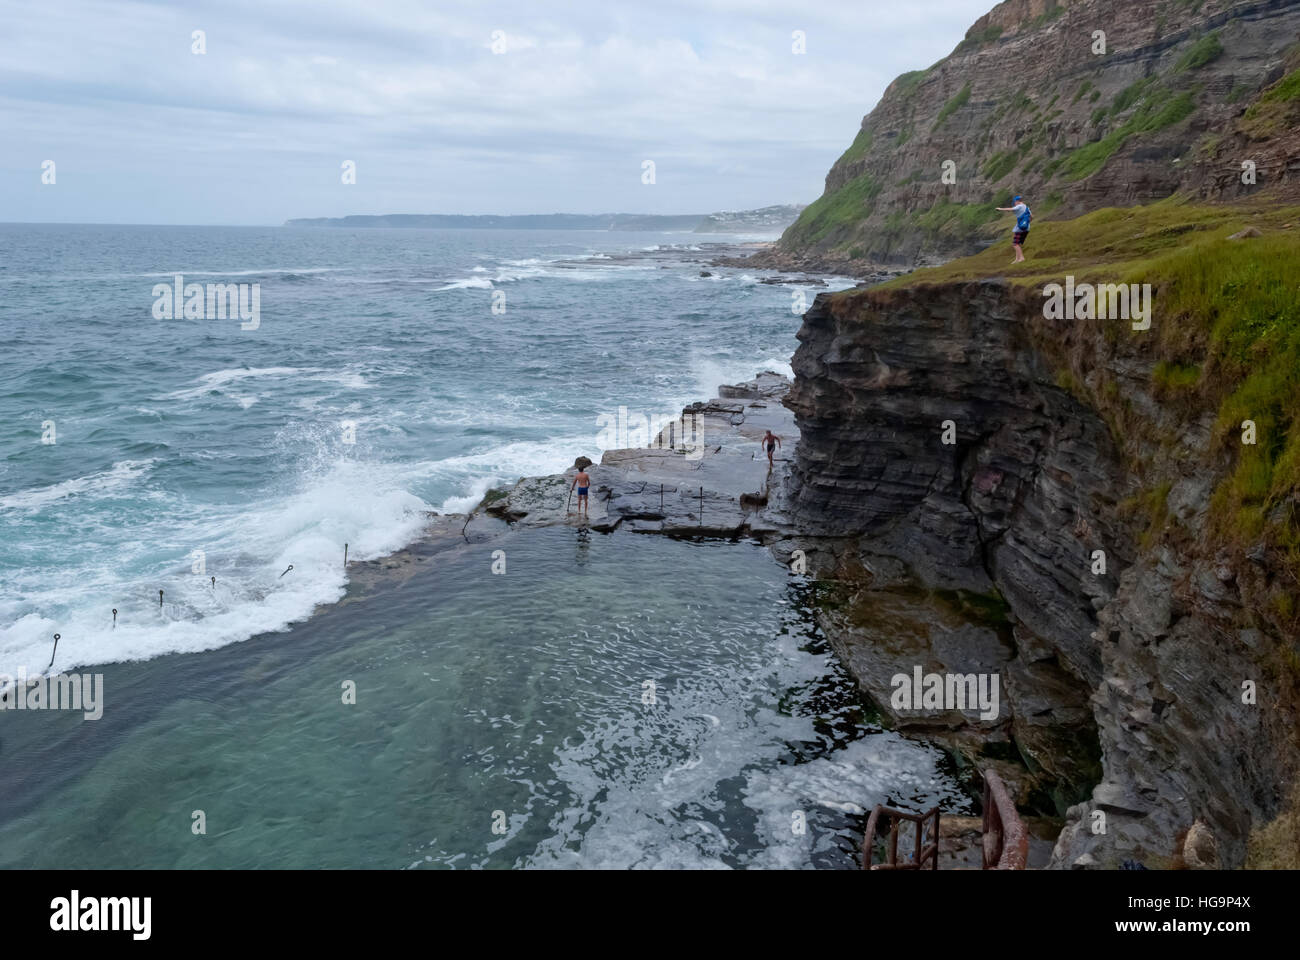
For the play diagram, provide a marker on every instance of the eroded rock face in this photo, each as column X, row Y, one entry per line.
column 1148, row 658
column 1011, row 107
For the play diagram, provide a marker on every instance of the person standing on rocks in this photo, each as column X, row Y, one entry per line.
column 582, row 481
column 771, row 441
column 1021, row 233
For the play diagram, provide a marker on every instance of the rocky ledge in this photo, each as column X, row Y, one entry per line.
column 707, row 476
column 976, row 511
column 704, row 475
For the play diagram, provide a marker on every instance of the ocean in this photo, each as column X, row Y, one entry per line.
column 499, row 720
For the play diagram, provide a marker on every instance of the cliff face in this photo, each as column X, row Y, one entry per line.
column 980, row 555
column 1184, row 93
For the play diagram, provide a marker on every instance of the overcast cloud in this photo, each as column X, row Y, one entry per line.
column 142, row 130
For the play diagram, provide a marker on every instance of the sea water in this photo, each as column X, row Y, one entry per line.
column 499, row 719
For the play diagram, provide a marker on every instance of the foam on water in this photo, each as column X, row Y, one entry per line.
column 122, row 474
column 247, row 551
column 228, row 442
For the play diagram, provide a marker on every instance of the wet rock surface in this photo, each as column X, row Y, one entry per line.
column 1123, row 687
column 710, row 479
column 713, row 480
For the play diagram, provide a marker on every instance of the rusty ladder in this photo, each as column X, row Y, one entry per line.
column 1005, row 841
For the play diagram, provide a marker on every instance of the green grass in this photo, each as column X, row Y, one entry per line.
column 973, row 41
column 1050, row 168
column 999, row 165
column 905, row 84
column 1205, row 51
column 1173, row 376
column 959, row 100
column 1150, row 510
column 857, row 149
column 1090, row 158
column 1275, row 110
column 1157, row 110
column 1130, row 95
column 949, row 219
column 837, row 211
column 1284, row 91
column 1083, row 91
column 1225, row 330
column 1273, row 846
column 492, row 496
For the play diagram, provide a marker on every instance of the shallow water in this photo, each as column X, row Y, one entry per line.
column 517, row 697
column 188, row 444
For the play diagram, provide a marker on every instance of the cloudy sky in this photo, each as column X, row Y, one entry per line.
column 255, row 130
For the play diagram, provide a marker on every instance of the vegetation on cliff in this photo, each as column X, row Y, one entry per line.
column 1145, row 117
column 1225, row 337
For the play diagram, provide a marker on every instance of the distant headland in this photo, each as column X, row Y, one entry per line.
column 765, row 219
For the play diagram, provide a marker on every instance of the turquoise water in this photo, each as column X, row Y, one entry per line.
column 515, row 696
column 175, row 437
column 482, row 700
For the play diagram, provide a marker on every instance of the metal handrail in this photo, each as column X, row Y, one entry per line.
column 923, row 855
column 1006, row 841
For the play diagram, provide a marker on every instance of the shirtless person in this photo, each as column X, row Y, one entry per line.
column 771, row 441
column 582, row 481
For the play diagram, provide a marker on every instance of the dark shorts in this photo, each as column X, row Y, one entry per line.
column 582, row 492
column 1019, row 236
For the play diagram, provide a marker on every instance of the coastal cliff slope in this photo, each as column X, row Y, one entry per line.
column 1158, row 689
column 1077, row 104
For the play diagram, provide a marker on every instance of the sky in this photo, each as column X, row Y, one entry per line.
column 525, row 106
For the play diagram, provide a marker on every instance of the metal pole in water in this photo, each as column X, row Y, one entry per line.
column 286, row 570
column 54, row 651
column 115, row 618
column 159, row 599
column 345, row 555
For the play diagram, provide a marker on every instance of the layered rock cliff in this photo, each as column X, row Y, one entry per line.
column 1076, row 104
column 960, row 474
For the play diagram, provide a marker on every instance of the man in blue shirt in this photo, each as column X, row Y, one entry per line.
column 1023, row 216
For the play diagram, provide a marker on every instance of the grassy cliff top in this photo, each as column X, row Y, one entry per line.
column 1109, row 245
column 1224, row 340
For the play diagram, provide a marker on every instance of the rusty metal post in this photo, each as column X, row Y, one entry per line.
column 934, row 864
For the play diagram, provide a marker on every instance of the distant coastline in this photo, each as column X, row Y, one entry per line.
column 765, row 219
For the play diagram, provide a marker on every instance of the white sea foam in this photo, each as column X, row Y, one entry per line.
column 247, row 551
column 473, row 283
column 506, row 463
column 215, row 381
column 115, row 479
column 171, row 273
